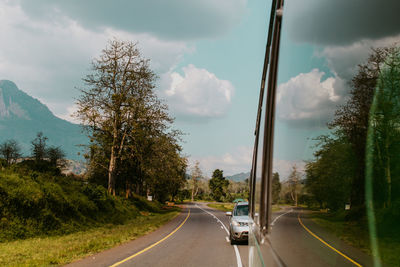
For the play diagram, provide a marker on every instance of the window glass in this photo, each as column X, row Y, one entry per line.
column 258, row 165
column 241, row 210
column 337, row 133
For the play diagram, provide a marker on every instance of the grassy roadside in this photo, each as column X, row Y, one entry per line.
column 222, row 206
column 229, row 207
column 276, row 208
column 58, row 250
column 357, row 236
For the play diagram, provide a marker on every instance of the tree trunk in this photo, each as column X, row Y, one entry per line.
column 113, row 159
column 111, row 172
column 128, row 189
column 193, row 188
column 388, row 177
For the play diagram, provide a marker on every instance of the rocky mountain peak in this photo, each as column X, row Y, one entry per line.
column 22, row 117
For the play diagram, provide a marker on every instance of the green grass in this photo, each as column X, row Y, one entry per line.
column 222, row 206
column 276, row 208
column 350, row 232
column 59, row 250
column 356, row 235
column 50, row 219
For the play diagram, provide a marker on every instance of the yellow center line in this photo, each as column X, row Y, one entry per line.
column 326, row 244
column 153, row 245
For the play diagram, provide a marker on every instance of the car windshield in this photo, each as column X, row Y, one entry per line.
column 242, row 210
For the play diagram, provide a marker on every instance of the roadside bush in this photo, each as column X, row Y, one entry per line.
column 34, row 204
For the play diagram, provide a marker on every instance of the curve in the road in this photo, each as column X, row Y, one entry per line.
column 326, row 244
column 153, row 245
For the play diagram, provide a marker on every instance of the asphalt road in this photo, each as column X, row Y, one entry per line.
column 198, row 237
column 298, row 247
column 200, row 241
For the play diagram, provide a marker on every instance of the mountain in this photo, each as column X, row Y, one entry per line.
column 239, row 177
column 22, row 117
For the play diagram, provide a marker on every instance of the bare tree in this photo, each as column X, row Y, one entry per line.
column 39, row 147
column 10, row 151
column 294, row 184
column 117, row 93
column 196, row 176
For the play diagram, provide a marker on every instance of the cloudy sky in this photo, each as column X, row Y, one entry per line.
column 208, row 55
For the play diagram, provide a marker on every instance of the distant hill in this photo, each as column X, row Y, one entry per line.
column 240, row 177
column 22, row 117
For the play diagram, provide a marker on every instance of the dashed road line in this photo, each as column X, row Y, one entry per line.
column 238, row 258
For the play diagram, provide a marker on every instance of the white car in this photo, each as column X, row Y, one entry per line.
column 239, row 222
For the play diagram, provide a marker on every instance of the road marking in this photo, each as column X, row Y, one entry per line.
column 227, row 239
column 238, row 258
column 153, row 245
column 326, row 244
column 273, row 222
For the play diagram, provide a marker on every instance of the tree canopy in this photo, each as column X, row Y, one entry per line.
column 132, row 143
column 218, row 185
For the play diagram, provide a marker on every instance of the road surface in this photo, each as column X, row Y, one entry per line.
column 201, row 240
column 198, row 237
column 298, row 241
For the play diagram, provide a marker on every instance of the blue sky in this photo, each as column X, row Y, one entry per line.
column 208, row 55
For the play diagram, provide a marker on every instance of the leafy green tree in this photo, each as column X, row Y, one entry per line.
column 10, row 151
column 351, row 119
column 133, row 147
column 329, row 177
column 118, row 91
column 218, row 185
column 384, row 124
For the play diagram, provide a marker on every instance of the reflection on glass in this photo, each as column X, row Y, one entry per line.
column 258, row 165
column 337, row 137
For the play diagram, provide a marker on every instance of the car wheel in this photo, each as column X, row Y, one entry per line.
column 233, row 242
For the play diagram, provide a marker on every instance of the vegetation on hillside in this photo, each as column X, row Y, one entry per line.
column 133, row 153
column 36, row 200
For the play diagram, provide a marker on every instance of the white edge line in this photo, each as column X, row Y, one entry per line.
column 273, row 222
column 238, row 258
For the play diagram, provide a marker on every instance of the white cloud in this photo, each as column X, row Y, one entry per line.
column 307, row 99
column 345, row 42
column 198, row 93
column 70, row 114
column 344, row 59
column 311, row 100
column 233, row 162
column 172, row 19
column 284, row 167
column 48, row 58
